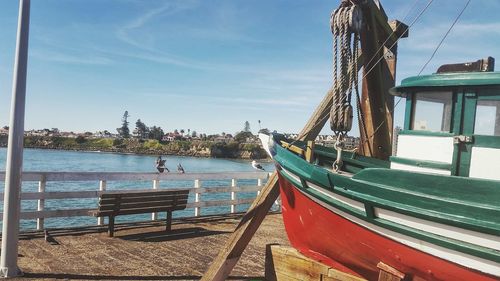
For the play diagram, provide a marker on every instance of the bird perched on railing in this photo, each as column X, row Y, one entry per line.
column 257, row 166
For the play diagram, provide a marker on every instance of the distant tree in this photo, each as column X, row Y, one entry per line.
column 80, row 139
column 247, row 127
column 141, row 130
column 182, row 132
column 193, row 134
column 189, row 130
column 242, row 136
column 176, row 132
column 156, row 133
column 124, row 131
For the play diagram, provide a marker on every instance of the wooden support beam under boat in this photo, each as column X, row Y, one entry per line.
column 310, row 151
column 293, row 148
column 286, row 263
column 229, row 255
column 388, row 273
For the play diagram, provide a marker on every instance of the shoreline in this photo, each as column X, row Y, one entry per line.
column 198, row 149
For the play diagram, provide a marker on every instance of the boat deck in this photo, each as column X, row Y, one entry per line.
column 144, row 251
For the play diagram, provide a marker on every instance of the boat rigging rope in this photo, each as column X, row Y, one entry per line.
column 444, row 37
column 345, row 25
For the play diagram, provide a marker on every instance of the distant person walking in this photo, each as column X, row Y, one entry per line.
column 180, row 169
column 160, row 165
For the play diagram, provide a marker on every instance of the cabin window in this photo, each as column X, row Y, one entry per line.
column 432, row 111
column 487, row 118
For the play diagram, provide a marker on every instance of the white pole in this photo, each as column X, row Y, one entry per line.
column 14, row 165
column 156, row 185
column 102, row 187
column 233, row 195
column 197, row 197
column 41, row 203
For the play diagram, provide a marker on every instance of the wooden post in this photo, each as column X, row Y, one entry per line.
column 169, row 221
column 41, row 203
column 233, row 196
column 388, row 273
column 309, row 151
column 156, row 185
column 102, row 187
column 377, row 105
column 197, row 197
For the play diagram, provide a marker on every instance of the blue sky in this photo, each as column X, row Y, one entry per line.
column 207, row 66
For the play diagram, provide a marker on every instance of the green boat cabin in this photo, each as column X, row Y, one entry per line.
column 452, row 125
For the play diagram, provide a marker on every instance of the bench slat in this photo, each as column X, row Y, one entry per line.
column 137, row 211
column 163, row 203
column 144, row 194
column 139, row 199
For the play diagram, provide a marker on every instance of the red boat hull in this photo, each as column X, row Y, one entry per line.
column 325, row 236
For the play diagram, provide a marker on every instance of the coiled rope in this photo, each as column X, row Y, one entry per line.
column 345, row 25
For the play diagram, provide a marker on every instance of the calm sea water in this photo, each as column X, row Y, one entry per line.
column 76, row 161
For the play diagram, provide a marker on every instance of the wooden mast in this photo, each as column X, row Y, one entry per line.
column 376, row 103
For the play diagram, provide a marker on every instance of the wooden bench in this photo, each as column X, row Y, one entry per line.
column 112, row 204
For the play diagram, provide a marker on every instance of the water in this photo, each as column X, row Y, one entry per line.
column 77, row 161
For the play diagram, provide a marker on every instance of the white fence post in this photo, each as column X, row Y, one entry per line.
column 102, row 187
column 156, row 185
column 233, row 195
column 197, row 197
column 41, row 203
column 259, row 184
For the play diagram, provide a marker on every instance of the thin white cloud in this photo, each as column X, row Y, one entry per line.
column 169, row 8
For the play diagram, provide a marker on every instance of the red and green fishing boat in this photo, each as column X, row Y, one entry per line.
column 431, row 208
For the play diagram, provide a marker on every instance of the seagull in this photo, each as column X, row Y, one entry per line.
column 180, row 169
column 257, row 166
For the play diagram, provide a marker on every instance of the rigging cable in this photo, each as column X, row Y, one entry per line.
column 445, row 35
column 394, row 31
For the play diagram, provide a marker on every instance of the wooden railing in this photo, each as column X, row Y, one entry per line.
column 100, row 181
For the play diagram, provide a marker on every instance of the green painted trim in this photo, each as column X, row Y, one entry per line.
column 449, row 80
column 421, row 163
column 425, row 133
column 469, row 108
column 408, row 112
column 487, row 141
column 458, row 113
column 488, row 97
